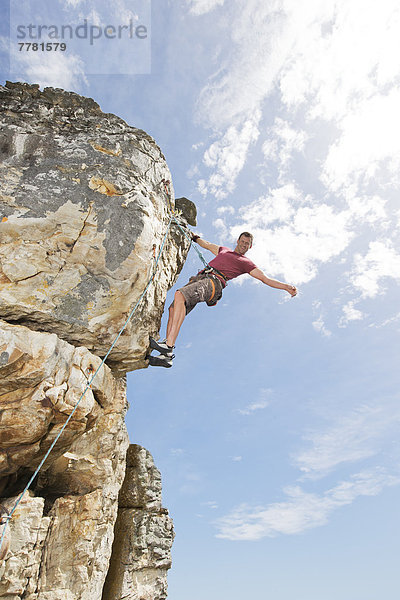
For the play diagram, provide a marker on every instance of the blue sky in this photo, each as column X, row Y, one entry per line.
column 277, row 429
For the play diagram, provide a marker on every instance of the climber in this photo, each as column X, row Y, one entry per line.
column 207, row 286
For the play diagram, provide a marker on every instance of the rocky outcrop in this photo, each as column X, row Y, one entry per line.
column 85, row 203
column 84, row 206
column 143, row 534
column 42, row 379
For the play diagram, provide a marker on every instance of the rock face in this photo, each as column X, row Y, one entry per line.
column 85, row 204
column 42, row 379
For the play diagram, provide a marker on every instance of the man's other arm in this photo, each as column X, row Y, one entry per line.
column 258, row 274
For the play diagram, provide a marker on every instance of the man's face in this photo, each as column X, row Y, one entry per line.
column 243, row 244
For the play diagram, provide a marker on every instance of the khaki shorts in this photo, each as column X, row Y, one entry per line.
column 200, row 288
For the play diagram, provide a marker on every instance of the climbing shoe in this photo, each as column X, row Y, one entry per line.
column 161, row 347
column 161, row 360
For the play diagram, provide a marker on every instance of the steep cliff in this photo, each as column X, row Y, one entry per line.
column 84, row 206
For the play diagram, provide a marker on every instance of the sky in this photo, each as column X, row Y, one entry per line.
column 276, row 431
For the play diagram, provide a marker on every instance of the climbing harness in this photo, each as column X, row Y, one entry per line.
column 213, row 271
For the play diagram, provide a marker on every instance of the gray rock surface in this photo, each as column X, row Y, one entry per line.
column 143, row 534
column 85, row 202
column 42, row 378
column 84, row 205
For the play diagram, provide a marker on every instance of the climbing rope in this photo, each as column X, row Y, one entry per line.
column 203, row 260
column 88, row 385
column 172, row 212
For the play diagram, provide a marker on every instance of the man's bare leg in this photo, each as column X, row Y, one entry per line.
column 177, row 314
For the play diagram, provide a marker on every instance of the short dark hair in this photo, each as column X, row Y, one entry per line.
column 246, row 234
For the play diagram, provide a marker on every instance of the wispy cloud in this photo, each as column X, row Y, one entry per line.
column 363, row 433
column 319, row 326
column 301, row 233
column 211, row 504
column 379, row 264
column 352, row 437
column 301, row 510
column 53, row 70
column 342, row 123
column 201, row 7
column 350, row 313
column 369, row 141
column 177, row 452
column 226, row 158
column 262, row 402
column 283, row 141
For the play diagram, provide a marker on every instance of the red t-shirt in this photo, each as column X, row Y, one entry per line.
column 231, row 264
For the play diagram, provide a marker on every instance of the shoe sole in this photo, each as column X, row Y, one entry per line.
column 159, row 361
column 155, row 346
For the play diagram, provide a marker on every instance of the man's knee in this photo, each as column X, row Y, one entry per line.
column 179, row 298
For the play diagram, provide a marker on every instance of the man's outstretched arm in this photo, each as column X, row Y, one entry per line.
column 258, row 274
column 206, row 245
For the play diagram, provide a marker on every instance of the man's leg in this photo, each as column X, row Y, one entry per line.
column 177, row 314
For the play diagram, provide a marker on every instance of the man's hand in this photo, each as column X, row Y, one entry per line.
column 291, row 289
column 194, row 236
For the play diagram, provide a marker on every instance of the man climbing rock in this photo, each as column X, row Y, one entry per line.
column 207, row 286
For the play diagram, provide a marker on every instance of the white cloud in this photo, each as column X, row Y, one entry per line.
column 301, row 510
column 222, row 230
column 386, row 322
column 257, row 51
column 380, row 263
column 319, row 326
column 177, row 452
column 225, row 210
column 263, row 402
column 227, row 156
column 200, row 7
column 337, row 62
column 211, row 504
column 363, row 433
column 359, row 45
column 251, row 408
column 192, row 172
column 370, row 139
column 368, row 209
column 52, row 69
column 282, row 142
column 295, row 233
column 301, row 234
column 350, row 313
column 353, row 437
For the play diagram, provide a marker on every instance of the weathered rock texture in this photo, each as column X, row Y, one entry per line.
column 143, row 534
column 42, row 379
column 84, row 206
